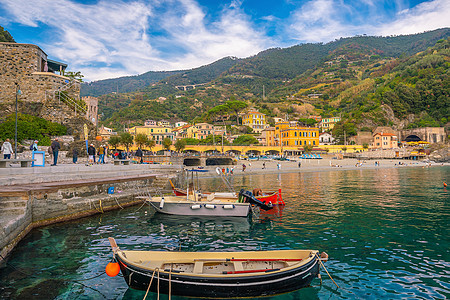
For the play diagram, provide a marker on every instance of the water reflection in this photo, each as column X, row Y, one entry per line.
column 385, row 231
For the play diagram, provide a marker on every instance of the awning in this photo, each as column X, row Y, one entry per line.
column 55, row 66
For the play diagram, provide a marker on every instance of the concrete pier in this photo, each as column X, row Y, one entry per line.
column 33, row 197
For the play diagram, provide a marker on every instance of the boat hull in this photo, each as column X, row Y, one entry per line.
column 268, row 197
column 190, row 208
column 266, row 284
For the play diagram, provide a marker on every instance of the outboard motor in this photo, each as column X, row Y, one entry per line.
column 247, row 196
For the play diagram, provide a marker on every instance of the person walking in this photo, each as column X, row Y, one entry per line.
column 75, row 155
column 299, row 164
column 91, row 153
column 101, row 155
column 7, row 149
column 55, row 150
column 34, row 147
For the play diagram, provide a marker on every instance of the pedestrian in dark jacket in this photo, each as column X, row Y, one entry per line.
column 91, row 153
column 55, row 150
column 139, row 155
column 75, row 155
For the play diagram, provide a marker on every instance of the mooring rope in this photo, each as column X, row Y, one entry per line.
column 170, row 281
column 158, row 284
column 326, row 270
column 150, row 284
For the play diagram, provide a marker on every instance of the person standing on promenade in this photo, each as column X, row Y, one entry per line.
column 101, row 155
column 75, row 155
column 7, row 149
column 299, row 164
column 139, row 155
column 55, row 150
column 91, row 153
column 264, row 165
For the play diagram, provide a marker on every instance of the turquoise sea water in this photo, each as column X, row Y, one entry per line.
column 386, row 232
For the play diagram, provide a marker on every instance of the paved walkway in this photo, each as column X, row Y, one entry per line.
column 65, row 172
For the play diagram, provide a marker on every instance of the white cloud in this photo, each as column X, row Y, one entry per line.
column 114, row 38
column 326, row 20
column 423, row 17
column 319, row 21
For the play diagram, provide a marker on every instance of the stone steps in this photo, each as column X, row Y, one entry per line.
column 5, row 203
column 12, row 211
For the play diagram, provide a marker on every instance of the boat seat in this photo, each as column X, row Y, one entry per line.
column 198, row 267
column 238, row 266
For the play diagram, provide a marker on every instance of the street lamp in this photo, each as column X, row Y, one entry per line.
column 18, row 92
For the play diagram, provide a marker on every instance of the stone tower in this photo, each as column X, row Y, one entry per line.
column 92, row 109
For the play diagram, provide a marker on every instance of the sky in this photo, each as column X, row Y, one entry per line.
column 112, row 38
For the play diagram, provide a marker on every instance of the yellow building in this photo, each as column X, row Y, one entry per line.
column 328, row 123
column 156, row 133
column 192, row 132
column 255, row 120
column 293, row 136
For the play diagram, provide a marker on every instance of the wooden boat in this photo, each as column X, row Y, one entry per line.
column 178, row 205
column 196, row 205
column 218, row 274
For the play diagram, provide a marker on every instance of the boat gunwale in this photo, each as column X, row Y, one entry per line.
column 300, row 264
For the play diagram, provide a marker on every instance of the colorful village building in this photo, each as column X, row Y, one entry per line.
column 255, row 120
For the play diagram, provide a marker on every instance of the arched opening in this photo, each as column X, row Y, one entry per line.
column 253, row 153
column 272, row 152
column 235, row 152
column 412, row 138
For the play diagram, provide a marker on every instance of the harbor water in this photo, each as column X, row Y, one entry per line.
column 386, row 232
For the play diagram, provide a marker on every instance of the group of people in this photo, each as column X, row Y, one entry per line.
column 92, row 151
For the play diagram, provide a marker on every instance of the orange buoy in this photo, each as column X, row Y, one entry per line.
column 112, row 269
column 445, row 185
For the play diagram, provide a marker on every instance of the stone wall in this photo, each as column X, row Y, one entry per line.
column 39, row 206
column 23, row 64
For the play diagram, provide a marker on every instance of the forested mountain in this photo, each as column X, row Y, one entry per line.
column 323, row 79
column 353, row 78
column 5, row 36
column 123, row 84
column 272, row 64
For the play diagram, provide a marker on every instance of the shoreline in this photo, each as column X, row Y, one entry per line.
column 255, row 167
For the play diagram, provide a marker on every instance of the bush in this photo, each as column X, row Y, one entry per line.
column 30, row 128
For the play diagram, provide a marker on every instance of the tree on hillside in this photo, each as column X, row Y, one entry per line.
column 342, row 131
column 5, row 36
column 307, row 122
column 167, row 142
column 180, row 144
column 74, row 75
column 236, row 106
column 114, row 141
column 191, row 141
column 141, row 140
column 126, row 139
column 245, row 139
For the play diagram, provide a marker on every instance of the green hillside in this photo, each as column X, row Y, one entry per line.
column 353, row 78
column 123, row 84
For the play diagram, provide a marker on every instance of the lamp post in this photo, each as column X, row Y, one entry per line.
column 18, row 92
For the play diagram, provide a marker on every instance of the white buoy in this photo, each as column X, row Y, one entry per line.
column 161, row 204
